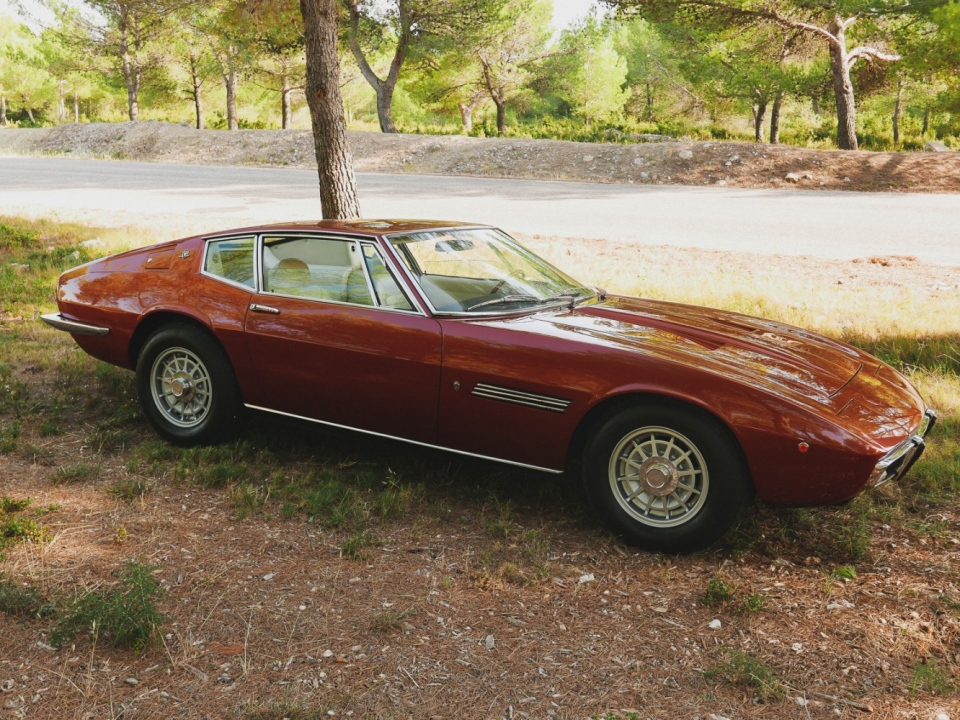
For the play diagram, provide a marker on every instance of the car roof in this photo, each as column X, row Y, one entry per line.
column 366, row 226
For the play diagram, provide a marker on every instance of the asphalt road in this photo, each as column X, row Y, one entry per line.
column 788, row 222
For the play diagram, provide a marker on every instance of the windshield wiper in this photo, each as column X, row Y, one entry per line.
column 573, row 295
column 505, row 299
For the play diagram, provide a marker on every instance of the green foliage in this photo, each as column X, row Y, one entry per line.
column 718, row 591
column 21, row 600
column 845, row 572
column 744, row 668
column 929, row 677
column 15, row 528
column 122, row 616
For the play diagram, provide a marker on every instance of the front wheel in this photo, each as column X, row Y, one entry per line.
column 187, row 387
column 666, row 477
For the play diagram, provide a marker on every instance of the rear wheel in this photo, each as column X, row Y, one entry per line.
column 666, row 477
column 186, row 385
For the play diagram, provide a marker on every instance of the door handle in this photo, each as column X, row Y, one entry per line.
column 264, row 309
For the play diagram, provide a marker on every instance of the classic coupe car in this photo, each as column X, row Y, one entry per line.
column 454, row 336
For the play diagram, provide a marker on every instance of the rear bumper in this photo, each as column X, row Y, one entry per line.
column 59, row 322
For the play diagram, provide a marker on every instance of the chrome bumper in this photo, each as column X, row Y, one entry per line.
column 59, row 322
column 895, row 464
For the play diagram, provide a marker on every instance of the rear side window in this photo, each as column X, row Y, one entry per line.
column 231, row 260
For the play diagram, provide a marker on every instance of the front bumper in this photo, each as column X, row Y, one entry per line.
column 895, row 464
column 59, row 322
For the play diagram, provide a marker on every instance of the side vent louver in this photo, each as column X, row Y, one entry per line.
column 518, row 397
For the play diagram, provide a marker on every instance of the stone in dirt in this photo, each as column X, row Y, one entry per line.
column 935, row 146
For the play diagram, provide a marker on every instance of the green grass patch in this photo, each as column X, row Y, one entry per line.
column 22, row 600
column 16, row 527
column 76, row 473
column 124, row 615
column 718, row 591
column 928, row 676
column 745, row 669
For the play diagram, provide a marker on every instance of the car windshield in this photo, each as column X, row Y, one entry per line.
column 483, row 270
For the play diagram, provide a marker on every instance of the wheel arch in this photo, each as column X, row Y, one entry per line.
column 156, row 320
column 610, row 406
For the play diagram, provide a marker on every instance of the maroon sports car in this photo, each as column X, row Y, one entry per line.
column 454, row 336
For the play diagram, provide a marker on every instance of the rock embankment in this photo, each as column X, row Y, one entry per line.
column 657, row 160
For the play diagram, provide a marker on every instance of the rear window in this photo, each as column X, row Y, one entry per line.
column 231, row 259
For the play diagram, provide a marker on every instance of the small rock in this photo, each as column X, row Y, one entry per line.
column 132, row 681
column 846, row 179
column 715, row 625
column 328, row 653
column 685, row 154
column 942, row 716
column 6, row 686
column 95, row 242
column 935, row 146
column 269, row 576
column 490, row 643
column 588, row 158
column 792, row 178
column 644, row 176
column 802, row 701
column 797, row 647
column 807, row 176
column 721, row 182
column 638, row 161
column 588, row 577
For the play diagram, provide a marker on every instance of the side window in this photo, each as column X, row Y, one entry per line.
column 231, row 260
column 388, row 292
column 315, row 268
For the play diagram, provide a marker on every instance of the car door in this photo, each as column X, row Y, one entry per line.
column 334, row 338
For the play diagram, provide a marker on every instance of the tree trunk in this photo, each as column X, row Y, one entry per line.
column 843, row 88
column 3, row 109
column 896, row 114
column 131, row 77
column 385, row 87
column 775, row 119
column 649, row 108
column 61, row 101
column 501, row 117
column 926, row 121
column 338, row 187
column 30, row 115
column 759, row 111
column 816, row 105
column 466, row 114
column 76, row 107
column 286, row 95
column 197, row 100
column 230, row 80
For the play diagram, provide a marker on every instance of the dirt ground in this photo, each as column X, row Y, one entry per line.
column 494, row 594
column 734, row 164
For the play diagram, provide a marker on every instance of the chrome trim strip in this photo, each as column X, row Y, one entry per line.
column 411, row 442
column 58, row 321
column 519, row 397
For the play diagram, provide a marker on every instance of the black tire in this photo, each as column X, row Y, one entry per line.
column 690, row 483
column 187, row 387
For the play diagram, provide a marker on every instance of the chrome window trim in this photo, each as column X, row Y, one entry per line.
column 208, row 241
column 417, row 308
column 552, row 471
column 537, row 401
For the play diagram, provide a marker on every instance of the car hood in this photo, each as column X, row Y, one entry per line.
column 765, row 354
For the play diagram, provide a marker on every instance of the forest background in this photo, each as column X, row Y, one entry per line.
column 628, row 71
